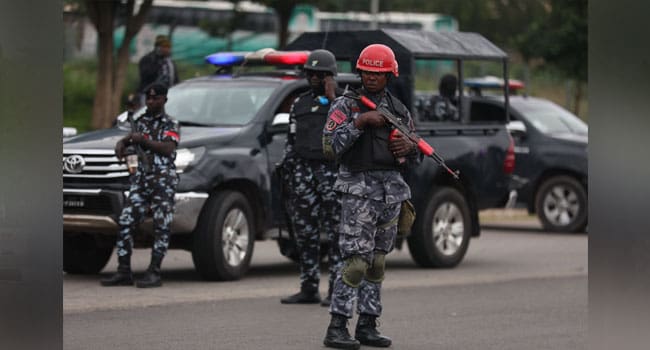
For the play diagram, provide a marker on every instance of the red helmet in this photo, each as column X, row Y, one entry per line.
column 377, row 58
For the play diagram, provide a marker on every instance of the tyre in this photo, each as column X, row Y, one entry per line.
column 86, row 253
column 441, row 234
column 224, row 239
column 561, row 204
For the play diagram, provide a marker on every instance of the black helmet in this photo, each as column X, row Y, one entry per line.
column 321, row 60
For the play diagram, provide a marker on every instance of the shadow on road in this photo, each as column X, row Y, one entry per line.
column 514, row 228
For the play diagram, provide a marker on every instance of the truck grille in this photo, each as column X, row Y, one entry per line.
column 92, row 164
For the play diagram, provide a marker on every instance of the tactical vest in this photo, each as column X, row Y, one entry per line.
column 310, row 118
column 370, row 151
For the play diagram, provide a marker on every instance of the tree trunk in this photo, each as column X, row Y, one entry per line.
column 133, row 26
column 102, row 108
column 577, row 96
column 111, row 77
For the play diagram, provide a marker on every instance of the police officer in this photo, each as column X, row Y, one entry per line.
column 442, row 107
column 372, row 190
column 310, row 178
column 157, row 66
column 152, row 187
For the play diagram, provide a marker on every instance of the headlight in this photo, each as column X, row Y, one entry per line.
column 187, row 156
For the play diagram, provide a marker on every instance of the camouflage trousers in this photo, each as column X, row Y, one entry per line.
column 367, row 226
column 314, row 208
column 154, row 192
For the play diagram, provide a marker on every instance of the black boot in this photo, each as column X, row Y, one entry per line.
column 367, row 333
column 151, row 277
column 123, row 277
column 305, row 296
column 338, row 336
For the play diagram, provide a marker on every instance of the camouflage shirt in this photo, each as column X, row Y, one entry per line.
column 382, row 185
column 159, row 128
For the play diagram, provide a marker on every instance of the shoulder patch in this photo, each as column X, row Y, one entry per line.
column 330, row 125
column 338, row 117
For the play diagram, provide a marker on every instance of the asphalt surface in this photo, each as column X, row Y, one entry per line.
column 518, row 288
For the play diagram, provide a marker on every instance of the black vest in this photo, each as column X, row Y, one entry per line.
column 370, row 151
column 310, row 118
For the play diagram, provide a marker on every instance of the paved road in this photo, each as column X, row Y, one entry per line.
column 518, row 288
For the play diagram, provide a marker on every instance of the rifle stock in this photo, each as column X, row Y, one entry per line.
column 142, row 157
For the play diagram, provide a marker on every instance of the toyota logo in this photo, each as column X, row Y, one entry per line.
column 74, row 164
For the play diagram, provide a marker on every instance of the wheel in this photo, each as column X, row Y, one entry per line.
column 561, row 204
column 224, row 239
column 441, row 235
column 86, row 253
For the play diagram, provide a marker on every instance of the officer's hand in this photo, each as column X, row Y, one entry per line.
column 330, row 87
column 400, row 146
column 371, row 119
column 136, row 138
column 119, row 150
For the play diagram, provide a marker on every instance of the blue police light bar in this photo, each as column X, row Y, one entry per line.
column 263, row 56
column 226, row 58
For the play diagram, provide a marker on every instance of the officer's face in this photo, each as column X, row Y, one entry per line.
column 315, row 78
column 155, row 103
column 374, row 81
column 165, row 50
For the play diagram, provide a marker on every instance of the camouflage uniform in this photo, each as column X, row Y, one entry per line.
column 156, row 188
column 313, row 206
column 371, row 202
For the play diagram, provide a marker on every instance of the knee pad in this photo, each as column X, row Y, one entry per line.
column 354, row 269
column 375, row 272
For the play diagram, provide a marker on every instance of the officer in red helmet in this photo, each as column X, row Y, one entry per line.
column 371, row 190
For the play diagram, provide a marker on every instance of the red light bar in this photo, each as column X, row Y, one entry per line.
column 286, row 57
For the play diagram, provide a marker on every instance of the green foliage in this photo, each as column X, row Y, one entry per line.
column 79, row 79
column 560, row 38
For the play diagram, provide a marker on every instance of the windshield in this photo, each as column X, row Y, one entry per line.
column 217, row 103
column 550, row 118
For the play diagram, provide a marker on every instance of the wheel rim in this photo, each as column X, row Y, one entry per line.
column 235, row 233
column 448, row 228
column 561, row 205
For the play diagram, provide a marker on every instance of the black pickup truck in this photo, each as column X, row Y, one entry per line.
column 232, row 136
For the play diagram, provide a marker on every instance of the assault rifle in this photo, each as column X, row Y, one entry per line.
column 395, row 122
column 142, row 157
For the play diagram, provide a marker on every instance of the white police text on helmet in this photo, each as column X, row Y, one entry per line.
column 373, row 63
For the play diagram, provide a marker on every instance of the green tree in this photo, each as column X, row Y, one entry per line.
column 111, row 68
column 283, row 9
column 560, row 39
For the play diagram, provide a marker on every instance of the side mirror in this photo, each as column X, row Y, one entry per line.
column 279, row 124
column 69, row 131
column 517, row 129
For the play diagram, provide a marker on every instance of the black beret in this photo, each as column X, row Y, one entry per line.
column 156, row 89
